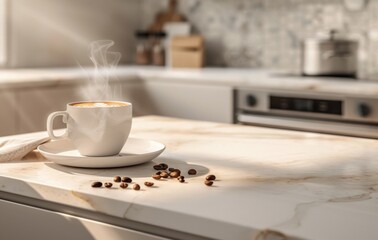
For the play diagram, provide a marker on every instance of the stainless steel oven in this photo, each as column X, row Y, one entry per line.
column 307, row 111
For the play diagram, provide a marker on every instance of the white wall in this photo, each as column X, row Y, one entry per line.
column 3, row 24
column 51, row 33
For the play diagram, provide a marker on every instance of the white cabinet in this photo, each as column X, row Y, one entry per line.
column 35, row 104
column 19, row 221
column 135, row 93
column 26, row 109
column 8, row 120
column 189, row 100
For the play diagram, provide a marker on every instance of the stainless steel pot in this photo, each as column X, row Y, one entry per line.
column 329, row 56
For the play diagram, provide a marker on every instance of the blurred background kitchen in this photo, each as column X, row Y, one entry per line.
column 241, row 33
column 253, row 39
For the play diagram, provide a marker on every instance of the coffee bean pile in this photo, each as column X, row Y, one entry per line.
column 164, row 171
column 176, row 173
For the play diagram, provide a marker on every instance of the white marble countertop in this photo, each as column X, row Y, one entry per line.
column 305, row 185
column 252, row 78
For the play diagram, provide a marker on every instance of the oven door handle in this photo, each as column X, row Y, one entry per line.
column 311, row 125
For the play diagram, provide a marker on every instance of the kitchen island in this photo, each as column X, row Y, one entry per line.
column 303, row 185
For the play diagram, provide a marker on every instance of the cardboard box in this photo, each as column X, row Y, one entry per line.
column 187, row 52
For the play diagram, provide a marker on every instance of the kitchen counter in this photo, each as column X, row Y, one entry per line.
column 305, row 185
column 250, row 78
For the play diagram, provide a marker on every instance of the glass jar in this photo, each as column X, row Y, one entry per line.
column 158, row 49
column 143, row 48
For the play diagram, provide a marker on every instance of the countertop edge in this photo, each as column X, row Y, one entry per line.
column 235, row 78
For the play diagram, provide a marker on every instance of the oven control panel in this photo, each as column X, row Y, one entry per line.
column 324, row 106
column 309, row 105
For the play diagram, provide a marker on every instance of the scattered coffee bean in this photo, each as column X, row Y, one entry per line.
column 117, row 179
column 108, row 184
column 163, row 166
column 208, row 183
column 210, row 177
column 164, row 175
column 126, row 179
column 192, row 172
column 158, row 167
column 136, row 187
column 149, row 184
column 158, row 173
column 177, row 170
column 123, row 185
column 181, row 179
column 174, row 174
column 171, row 169
column 156, row 177
column 97, row 184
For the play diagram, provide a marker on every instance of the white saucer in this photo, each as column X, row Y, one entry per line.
column 135, row 151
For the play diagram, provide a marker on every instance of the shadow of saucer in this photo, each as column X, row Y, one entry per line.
column 136, row 171
column 182, row 166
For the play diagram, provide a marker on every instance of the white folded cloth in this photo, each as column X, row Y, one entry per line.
column 14, row 148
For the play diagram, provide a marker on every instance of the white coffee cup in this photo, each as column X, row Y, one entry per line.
column 96, row 128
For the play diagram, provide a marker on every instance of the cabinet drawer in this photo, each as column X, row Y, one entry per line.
column 18, row 221
column 191, row 101
column 35, row 104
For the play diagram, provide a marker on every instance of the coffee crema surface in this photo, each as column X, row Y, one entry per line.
column 99, row 104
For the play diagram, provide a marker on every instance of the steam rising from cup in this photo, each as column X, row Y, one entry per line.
column 99, row 87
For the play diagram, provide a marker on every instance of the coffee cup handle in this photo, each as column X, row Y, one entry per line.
column 50, row 122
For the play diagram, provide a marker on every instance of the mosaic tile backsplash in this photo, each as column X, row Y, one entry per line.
column 268, row 33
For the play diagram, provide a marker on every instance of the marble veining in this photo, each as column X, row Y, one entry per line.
column 305, row 185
